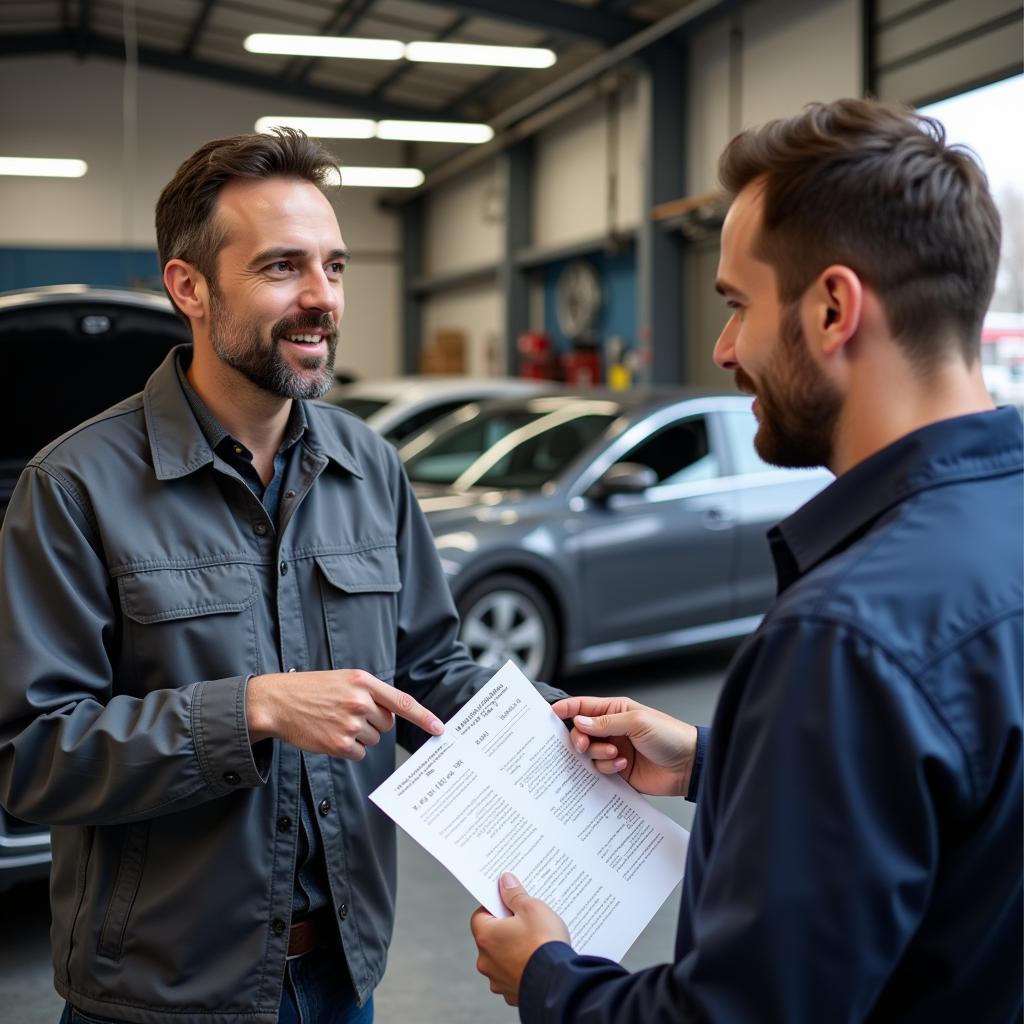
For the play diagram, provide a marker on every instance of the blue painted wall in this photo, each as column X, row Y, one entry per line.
column 618, row 310
column 121, row 268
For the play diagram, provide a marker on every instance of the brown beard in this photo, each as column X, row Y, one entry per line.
column 798, row 406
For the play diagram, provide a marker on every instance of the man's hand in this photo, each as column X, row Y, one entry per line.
column 506, row 944
column 340, row 712
column 653, row 751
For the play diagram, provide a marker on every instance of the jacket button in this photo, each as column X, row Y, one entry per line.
column 325, row 807
column 277, row 926
column 231, row 778
column 283, row 568
column 260, row 529
column 284, row 824
column 289, row 494
column 343, row 911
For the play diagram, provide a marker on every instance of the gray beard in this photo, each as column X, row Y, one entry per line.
column 264, row 365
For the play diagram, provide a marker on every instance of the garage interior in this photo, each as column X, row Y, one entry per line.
column 579, row 241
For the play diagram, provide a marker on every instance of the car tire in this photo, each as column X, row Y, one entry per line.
column 507, row 617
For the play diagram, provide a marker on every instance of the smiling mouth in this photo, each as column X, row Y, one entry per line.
column 304, row 339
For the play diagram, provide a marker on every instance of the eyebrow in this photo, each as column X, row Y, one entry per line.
column 724, row 288
column 269, row 255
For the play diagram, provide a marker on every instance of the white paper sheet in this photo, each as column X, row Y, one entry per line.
column 505, row 790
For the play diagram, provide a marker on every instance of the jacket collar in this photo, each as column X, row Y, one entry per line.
column 177, row 443
column 965, row 447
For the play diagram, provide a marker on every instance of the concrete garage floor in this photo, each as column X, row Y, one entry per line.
column 430, row 976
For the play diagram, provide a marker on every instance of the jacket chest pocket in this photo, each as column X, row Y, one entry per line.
column 359, row 591
column 182, row 625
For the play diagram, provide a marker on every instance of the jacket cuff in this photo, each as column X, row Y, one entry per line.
column 533, row 986
column 221, row 736
column 703, row 737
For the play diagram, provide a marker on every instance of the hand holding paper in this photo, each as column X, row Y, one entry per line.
column 505, row 790
column 506, row 945
column 652, row 751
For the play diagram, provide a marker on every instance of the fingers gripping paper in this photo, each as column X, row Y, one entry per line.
column 504, row 790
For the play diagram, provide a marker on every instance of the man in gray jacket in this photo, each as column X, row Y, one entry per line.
column 215, row 599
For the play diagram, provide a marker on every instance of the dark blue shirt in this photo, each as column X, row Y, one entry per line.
column 857, row 849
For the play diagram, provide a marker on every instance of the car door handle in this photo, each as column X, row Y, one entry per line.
column 716, row 518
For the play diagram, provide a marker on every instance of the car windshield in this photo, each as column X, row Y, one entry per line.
column 362, row 407
column 521, row 447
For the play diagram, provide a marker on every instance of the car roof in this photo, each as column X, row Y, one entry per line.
column 637, row 401
column 412, row 388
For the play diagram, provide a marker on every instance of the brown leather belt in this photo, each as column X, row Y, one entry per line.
column 306, row 935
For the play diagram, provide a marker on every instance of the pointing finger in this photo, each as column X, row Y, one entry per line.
column 405, row 706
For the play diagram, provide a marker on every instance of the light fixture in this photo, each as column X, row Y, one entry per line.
column 434, row 131
column 488, row 56
column 325, row 46
column 36, row 167
column 322, row 127
column 395, row 131
column 393, row 49
column 378, row 177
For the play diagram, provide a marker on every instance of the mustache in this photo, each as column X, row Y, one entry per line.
column 310, row 322
column 744, row 382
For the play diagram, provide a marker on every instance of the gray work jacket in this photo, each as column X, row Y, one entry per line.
column 141, row 584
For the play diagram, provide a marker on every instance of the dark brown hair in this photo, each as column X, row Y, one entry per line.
column 876, row 188
column 186, row 226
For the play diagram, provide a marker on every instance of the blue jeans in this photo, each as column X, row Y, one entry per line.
column 317, row 990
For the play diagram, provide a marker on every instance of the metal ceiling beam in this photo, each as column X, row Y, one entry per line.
column 340, row 23
column 525, row 118
column 61, row 42
column 84, row 26
column 496, row 80
column 552, row 16
column 405, row 66
column 197, row 27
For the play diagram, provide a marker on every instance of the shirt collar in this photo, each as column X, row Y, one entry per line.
column 178, row 438
column 213, row 430
column 965, row 447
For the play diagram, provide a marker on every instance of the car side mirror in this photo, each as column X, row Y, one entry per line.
column 622, row 478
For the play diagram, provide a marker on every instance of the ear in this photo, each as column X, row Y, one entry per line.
column 833, row 306
column 188, row 288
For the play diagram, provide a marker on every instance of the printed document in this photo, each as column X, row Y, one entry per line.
column 505, row 790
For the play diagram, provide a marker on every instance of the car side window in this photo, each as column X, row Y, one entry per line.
column 404, row 429
column 678, row 453
column 740, row 428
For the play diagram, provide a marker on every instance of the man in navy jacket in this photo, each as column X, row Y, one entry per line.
column 856, row 854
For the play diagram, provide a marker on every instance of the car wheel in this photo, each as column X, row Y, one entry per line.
column 507, row 617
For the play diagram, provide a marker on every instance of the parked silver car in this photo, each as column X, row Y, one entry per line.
column 590, row 528
column 399, row 407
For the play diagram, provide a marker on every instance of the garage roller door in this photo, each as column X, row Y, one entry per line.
column 920, row 51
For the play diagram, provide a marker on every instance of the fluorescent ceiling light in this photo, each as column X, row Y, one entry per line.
column 325, row 46
column 489, row 56
column 323, row 127
column 434, row 131
column 379, row 177
column 393, row 49
column 42, row 168
column 362, row 128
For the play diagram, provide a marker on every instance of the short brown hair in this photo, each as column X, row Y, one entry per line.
column 875, row 187
column 186, row 228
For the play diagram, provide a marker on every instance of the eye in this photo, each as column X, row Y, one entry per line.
column 279, row 267
column 336, row 267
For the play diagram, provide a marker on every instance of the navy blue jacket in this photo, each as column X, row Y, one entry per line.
column 857, row 850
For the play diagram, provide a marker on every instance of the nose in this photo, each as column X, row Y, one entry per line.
column 725, row 348
column 319, row 292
